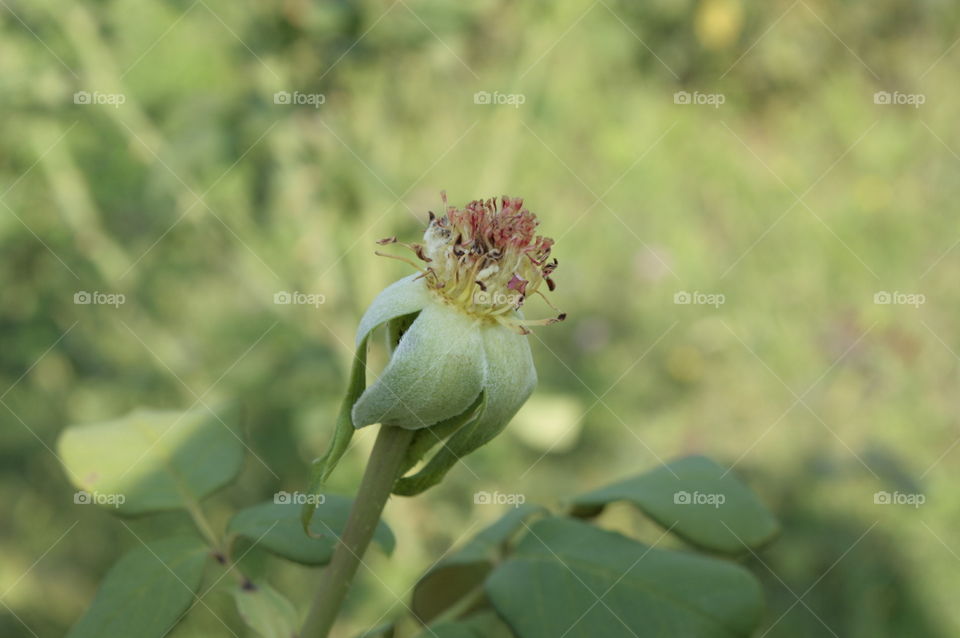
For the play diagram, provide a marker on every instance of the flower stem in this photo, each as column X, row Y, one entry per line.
column 383, row 467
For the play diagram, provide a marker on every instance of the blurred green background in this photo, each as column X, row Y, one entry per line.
column 200, row 196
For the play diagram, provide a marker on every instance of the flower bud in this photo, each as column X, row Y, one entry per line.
column 461, row 365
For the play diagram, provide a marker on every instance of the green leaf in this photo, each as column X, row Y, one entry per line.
column 151, row 460
column 276, row 527
column 568, row 578
column 696, row 499
column 386, row 630
column 145, row 593
column 342, row 433
column 266, row 611
column 483, row 625
column 464, row 571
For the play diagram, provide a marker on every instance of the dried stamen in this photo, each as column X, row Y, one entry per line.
column 486, row 259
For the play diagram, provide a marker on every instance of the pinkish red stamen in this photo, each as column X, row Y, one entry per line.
column 486, row 258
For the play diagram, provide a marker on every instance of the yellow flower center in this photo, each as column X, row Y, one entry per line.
column 486, row 259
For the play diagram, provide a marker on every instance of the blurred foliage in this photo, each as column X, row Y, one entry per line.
column 199, row 198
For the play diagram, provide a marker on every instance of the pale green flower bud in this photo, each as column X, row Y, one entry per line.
column 461, row 365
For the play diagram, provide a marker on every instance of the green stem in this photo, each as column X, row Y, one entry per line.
column 203, row 525
column 383, row 467
column 221, row 550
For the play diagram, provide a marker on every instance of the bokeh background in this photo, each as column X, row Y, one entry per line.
column 181, row 182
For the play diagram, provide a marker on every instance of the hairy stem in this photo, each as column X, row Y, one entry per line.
column 383, row 467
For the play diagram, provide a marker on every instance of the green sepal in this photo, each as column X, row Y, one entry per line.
column 403, row 297
column 509, row 378
column 465, row 440
column 435, row 372
column 426, row 438
column 343, row 432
